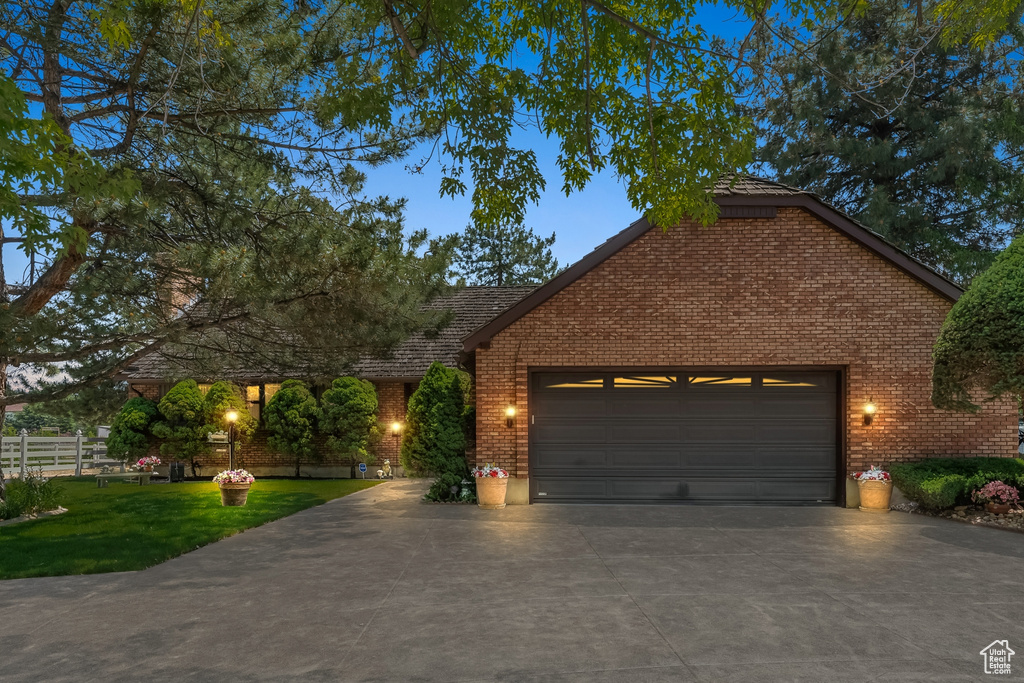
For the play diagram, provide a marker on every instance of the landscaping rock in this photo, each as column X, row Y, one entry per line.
column 1013, row 520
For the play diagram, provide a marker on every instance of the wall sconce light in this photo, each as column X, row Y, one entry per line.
column 396, row 429
column 869, row 411
column 510, row 416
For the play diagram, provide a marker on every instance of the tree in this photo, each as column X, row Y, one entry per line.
column 504, row 255
column 130, row 431
column 981, row 345
column 35, row 418
column 291, row 417
column 184, row 427
column 222, row 397
column 348, row 416
column 92, row 406
column 434, row 441
column 930, row 156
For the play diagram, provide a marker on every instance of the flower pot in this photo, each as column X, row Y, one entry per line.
column 234, row 495
column 998, row 508
column 874, row 495
column 490, row 492
column 147, row 468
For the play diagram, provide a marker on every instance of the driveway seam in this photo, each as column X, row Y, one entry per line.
column 636, row 604
column 391, row 590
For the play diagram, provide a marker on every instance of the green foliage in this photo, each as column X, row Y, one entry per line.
column 939, row 483
column 223, row 397
column 981, row 345
column 35, row 418
column 921, row 141
column 9, row 430
column 504, row 255
column 91, row 406
column 30, row 495
column 290, row 417
column 434, row 441
column 184, row 427
column 349, row 418
column 130, row 431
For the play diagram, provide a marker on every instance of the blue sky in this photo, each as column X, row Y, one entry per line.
column 580, row 221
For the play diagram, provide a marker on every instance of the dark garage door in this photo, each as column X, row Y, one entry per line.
column 687, row 436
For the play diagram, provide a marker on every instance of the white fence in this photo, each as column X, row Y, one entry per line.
column 51, row 453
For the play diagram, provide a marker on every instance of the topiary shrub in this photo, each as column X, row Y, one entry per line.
column 939, row 483
column 221, row 398
column 183, row 428
column 434, row 442
column 131, row 429
column 981, row 345
column 348, row 416
column 291, row 416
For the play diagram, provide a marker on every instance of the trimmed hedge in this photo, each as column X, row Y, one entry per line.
column 944, row 482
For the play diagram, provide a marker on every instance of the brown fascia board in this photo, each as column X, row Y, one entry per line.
column 842, row 224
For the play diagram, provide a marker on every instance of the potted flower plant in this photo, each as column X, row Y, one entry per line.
column 148, row 463
column 234, row 487
column 997, row 497
column 875, row 486
column 491, row 482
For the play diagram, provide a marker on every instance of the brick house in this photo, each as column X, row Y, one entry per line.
column 728, row 363
column 394, row 378
column 733, row 363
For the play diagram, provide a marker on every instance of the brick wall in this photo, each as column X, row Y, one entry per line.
column 256, row 453
column 747, row 292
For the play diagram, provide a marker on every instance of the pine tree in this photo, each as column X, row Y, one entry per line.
column 434, row 440
column 504, row 255
column 130, row 431
column 921, row 141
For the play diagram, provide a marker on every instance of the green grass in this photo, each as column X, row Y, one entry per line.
column 125, row 527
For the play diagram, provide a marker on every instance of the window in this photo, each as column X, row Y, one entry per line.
column 786, row 382
column 572, row 381
column 204, row 388
column 645, row 382
column 252, row 400
column 719, row 381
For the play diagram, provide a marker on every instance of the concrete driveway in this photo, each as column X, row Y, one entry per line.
column 379, row 587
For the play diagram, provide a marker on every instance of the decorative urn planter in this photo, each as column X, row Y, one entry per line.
column 998, row 508
column 234, row 495
column 999, row 497
column 875, row 489
column 491, row 483
column 234, row 487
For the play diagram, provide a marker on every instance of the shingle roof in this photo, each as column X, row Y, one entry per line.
column 472, row 307
column 734, row 185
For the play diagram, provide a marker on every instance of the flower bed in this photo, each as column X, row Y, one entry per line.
column 942, row 483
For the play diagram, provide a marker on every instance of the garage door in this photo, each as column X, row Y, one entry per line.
column 688, row 436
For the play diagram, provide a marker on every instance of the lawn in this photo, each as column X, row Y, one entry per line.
column 125, row 527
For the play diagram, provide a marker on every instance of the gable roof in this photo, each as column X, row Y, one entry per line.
column 738, row 196
column 472, row 307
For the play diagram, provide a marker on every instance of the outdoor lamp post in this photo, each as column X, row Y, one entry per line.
column 231, row 416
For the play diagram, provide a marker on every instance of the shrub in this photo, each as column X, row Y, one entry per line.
column 348, row 416
column 225, row 396
column 944, row 482
column 130, row 430
column 184, row 427
column 291, row 416
column 30, row 495
column 434, row 442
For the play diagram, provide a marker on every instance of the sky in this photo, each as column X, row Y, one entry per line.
column 581, row 221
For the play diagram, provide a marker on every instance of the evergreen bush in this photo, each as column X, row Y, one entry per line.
column 939, row 483
column 184, row 427
column 291, row 417
column 130, row 430
column 434, row 442
column 348, row 416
